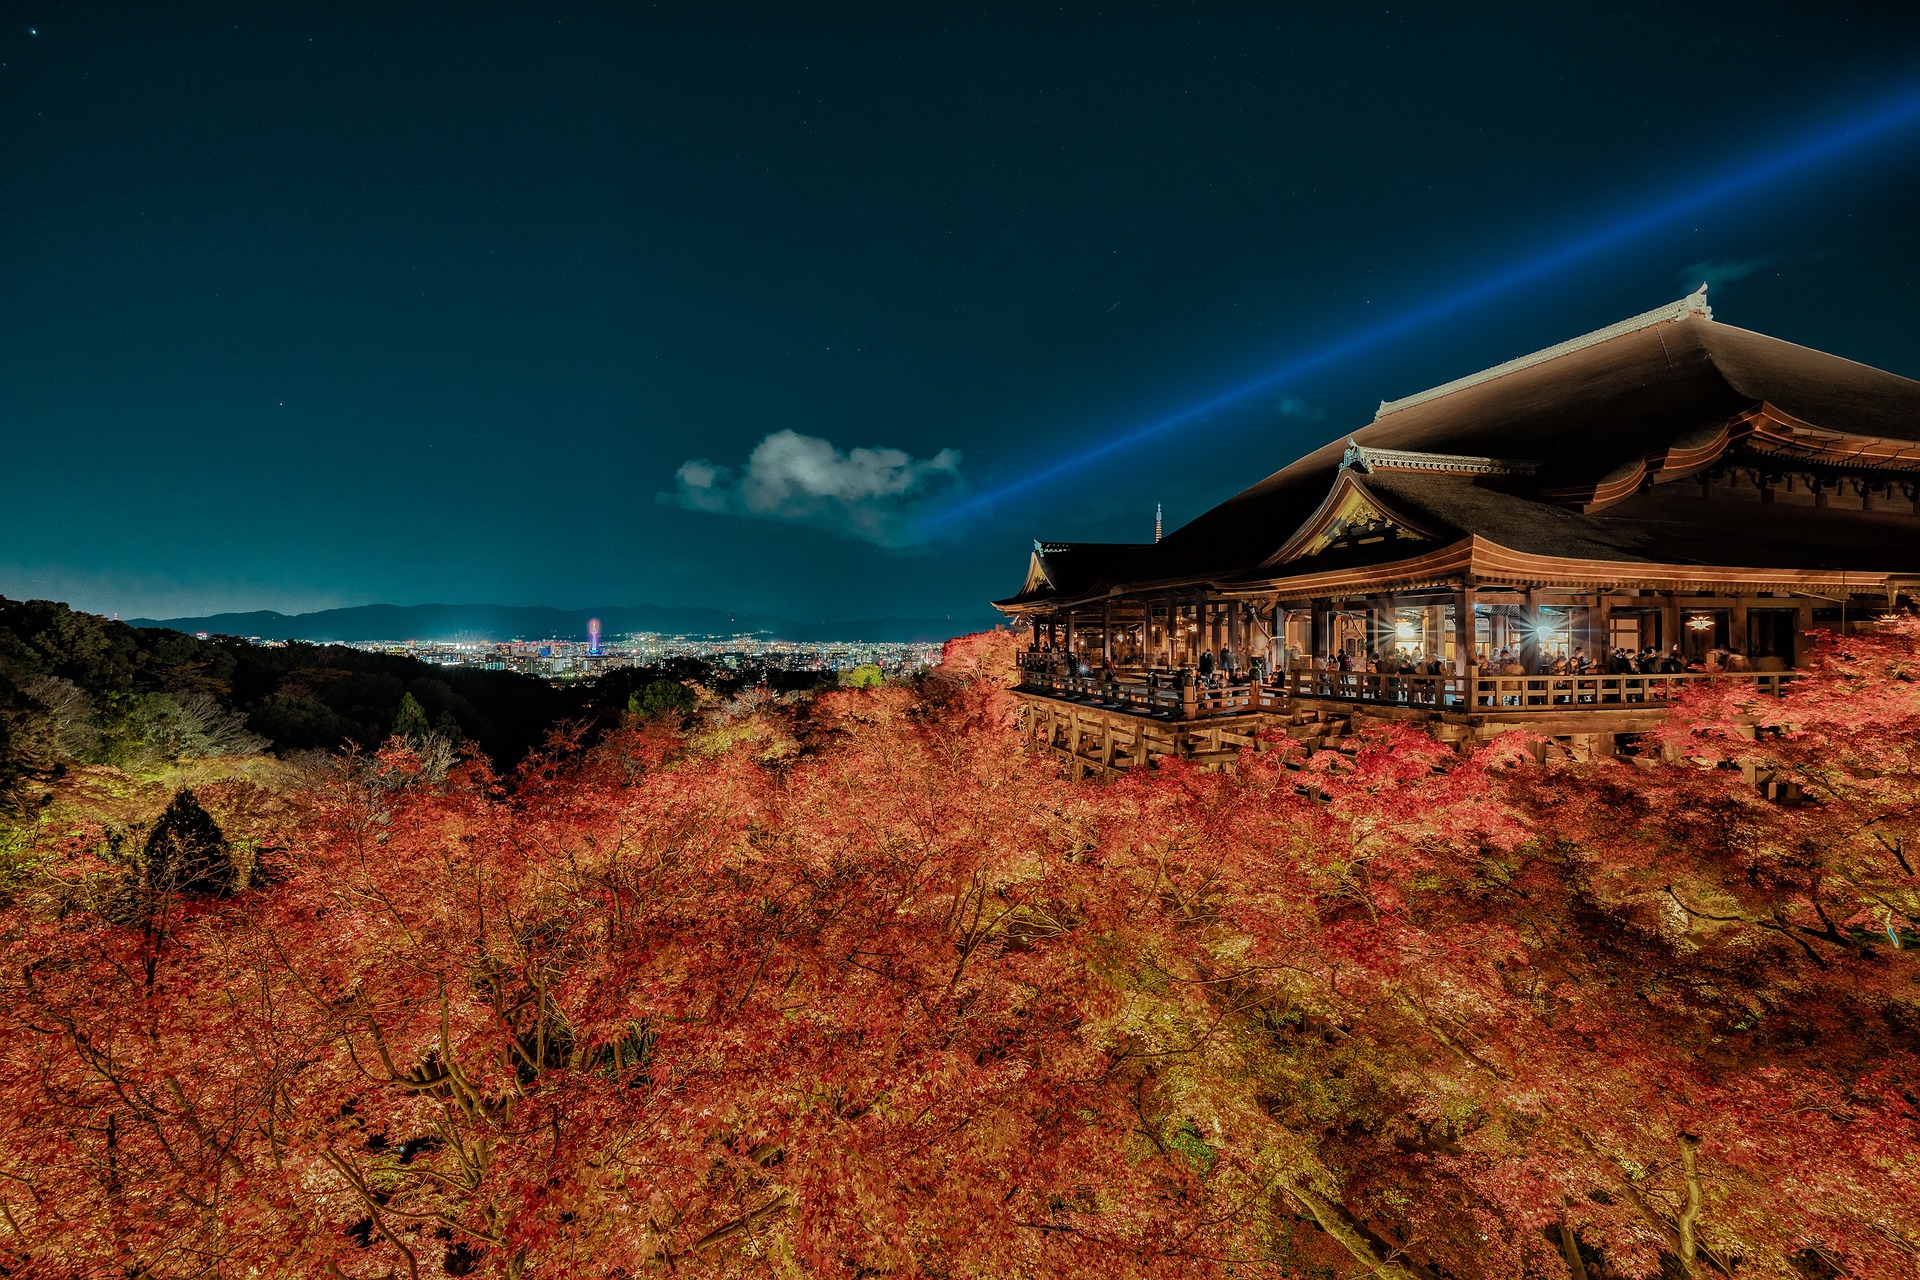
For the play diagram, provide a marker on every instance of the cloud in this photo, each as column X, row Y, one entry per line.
column 1718, row 271
column 870, row 494
column 1295, row 407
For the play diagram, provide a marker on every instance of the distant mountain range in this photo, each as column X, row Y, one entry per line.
column 535, row 622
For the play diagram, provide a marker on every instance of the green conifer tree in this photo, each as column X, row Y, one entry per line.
column 186, row 851
column 410, row 721
column 865, row 676
column 662, row 697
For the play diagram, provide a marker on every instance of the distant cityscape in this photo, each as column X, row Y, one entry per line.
column 558, row 659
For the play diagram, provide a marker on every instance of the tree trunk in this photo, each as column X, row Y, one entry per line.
column 1570, row 1250
column 1338, row 1223
column 1690, row 1216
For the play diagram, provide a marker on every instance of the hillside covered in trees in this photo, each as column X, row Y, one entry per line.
column 76, row 688
column 867, row 989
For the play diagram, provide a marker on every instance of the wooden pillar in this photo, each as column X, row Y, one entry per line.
column 1463, row 628
column 1600, row 628
column 1803, row 623
column 1069, row 644
column 1669, row 621
column 1380, row 628
column 1318, row 641
column 1531, row 653
column 1106, row 631
column 1738, row 638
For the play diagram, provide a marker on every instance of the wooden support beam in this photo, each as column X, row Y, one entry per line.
column 1464, row 629
column 1532, row 655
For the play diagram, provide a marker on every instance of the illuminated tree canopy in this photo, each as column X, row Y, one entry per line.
column 898, row 1000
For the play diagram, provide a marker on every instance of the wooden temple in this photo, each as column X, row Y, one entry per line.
column 1561, row 543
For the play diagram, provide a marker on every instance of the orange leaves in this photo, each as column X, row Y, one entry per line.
column 911, row 1003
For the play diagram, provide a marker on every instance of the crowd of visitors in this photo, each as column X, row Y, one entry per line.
column 1227, row 668
column 1574, row 662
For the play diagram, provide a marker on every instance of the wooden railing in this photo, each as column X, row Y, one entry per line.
column 1170, row 694
column 1178, row 695
column 1515, row 693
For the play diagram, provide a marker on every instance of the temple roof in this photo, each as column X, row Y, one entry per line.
column 1655, row 528
column 1694, row 304
column 1070, row 570
column 1565, row 452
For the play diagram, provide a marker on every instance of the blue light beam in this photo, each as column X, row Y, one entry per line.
column 1882, row 121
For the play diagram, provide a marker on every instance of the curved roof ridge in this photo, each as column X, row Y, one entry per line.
column 1362, row 457
column 1694, row 304
column 1740, row 379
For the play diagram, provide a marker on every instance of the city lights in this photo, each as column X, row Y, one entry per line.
column 578, row 660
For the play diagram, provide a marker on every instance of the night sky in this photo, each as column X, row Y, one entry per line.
column 310, row 305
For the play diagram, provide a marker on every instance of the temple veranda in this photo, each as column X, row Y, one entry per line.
column 1561, row 544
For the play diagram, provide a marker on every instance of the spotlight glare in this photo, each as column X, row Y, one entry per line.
column 1886, row 118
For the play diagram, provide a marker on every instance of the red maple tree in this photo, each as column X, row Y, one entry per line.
column 900, row 1001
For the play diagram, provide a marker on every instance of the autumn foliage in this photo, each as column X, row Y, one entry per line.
column 864, row 987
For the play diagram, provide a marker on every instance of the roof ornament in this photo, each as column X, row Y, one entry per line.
column 1360, row 457
column 1694, row 304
